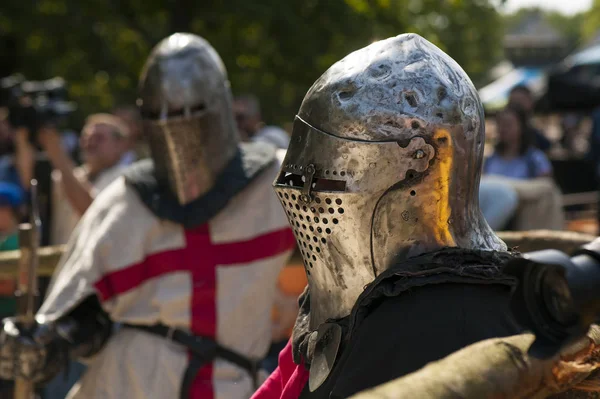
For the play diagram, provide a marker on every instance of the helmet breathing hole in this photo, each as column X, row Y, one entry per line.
column 411, row 99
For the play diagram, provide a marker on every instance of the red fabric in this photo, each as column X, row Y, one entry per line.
column 155, row 265
column 287, row 381
column 201, row 257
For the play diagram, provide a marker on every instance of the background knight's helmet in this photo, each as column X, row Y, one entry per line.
column 185, row 100
column 384, row 164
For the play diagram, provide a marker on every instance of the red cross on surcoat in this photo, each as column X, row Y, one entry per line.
column 201, row 257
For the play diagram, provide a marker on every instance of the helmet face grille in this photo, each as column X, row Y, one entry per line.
column 313, row 223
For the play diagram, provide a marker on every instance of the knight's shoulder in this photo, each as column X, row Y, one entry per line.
column 118, row 198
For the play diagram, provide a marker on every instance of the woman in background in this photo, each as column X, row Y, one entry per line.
column 515, row 157
column 515, row 154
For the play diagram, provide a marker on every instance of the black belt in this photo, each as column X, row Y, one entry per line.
column 204, row 350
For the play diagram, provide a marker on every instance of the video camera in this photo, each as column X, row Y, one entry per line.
column 557, row 297
column 32, row 104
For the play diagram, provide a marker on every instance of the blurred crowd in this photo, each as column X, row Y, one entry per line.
column 81, row 165
column 518, row 189
column 72, row 169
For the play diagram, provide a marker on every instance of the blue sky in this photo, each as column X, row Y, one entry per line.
column 565, row 6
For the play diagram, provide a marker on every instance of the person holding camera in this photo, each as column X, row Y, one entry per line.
column 103, row 142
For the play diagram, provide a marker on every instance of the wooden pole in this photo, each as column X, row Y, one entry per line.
column 48, row 259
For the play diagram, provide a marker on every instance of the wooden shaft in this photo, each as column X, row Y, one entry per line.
column 48, row 259
column 498, row 368
column 24, row 389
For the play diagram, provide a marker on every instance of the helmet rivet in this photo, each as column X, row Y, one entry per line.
column 419, row 154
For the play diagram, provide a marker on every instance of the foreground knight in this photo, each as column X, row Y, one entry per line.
column 183, row 252
column 380, row 184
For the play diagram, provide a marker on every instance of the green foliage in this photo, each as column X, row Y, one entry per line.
column 569, row 26
column 591, row 22
column 273, row 48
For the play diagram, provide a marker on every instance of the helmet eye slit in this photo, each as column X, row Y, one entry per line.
column 318, row 184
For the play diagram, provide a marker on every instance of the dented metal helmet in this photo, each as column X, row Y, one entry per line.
column 185, row 100
column 384, row 164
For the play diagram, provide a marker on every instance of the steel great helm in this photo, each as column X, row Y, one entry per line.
column 185, row 100
column 384, row 164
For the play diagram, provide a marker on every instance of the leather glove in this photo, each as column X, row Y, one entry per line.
column 36, row 354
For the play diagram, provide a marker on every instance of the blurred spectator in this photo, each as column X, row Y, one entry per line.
column 522, row 97
column 250, row 124
column 138, row 148
column 572, row 140
column 11, row 210
column 515, row 155
column 16, row 154
column 12, row 200
column 516, row 189
column 11, row 204
column 103, row 142
column 594, row 149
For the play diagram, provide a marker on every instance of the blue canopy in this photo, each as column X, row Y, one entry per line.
column 495, row 95
column 588, row 56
